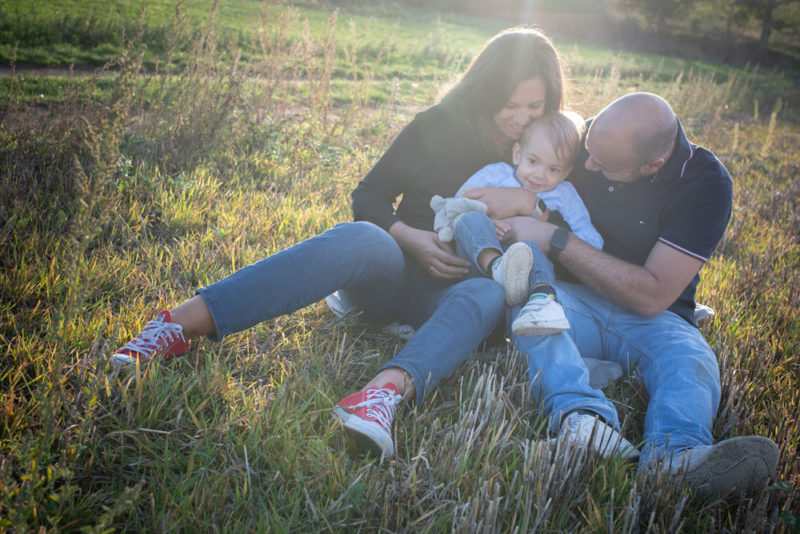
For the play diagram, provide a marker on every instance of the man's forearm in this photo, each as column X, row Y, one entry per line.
column 629, row 285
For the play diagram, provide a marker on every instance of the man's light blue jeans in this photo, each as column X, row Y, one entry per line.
column 451, row 318
column 672, row 357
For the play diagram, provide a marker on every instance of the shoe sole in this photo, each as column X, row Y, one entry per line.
column 121, row 362
column 539, row 329
column 516, row 272
column 364, row 433
column 734, row 464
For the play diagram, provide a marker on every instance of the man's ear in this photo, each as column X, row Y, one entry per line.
column 652, row 167
column 515, row 154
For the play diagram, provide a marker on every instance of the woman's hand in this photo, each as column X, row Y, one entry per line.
column 438, row 258
column 503, row 202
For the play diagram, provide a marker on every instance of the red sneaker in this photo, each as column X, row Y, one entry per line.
column 161, row 337
column 367, row 416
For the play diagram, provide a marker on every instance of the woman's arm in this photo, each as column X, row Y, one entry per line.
column 504, row 202
column 439, row 258
column 407, row 161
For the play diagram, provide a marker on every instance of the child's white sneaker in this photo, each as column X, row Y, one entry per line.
column 541, row 316
column 512, row 270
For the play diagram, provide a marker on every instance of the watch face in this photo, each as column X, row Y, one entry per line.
column 541, row 206
column 559, row 239
column 540, row 209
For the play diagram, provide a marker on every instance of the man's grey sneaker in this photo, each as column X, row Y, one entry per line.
column 541, row 316
column 511, row 270
column 589, row 432
column 735, row 465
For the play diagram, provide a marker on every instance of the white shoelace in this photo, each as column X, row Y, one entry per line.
column 156, row 331
column 381, row 404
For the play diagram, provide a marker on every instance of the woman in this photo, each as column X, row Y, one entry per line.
column 390, row 261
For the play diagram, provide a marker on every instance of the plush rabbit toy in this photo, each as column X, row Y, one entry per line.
column 449, row 210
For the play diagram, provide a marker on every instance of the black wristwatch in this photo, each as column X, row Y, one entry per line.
column 558, row 241
column 539, row 210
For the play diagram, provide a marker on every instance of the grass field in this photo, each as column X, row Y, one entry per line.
column 198, row 151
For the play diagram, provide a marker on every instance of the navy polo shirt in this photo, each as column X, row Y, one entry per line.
column 686, row 205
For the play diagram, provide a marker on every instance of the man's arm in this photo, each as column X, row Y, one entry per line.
column 647, row 290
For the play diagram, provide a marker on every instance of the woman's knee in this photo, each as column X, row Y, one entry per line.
column 367, row 240
column 364, row 231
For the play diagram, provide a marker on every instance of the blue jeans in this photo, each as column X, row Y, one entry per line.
column 679, row 369
column 451, row 318
column 475, row 232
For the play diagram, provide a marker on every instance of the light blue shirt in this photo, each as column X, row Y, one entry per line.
column 563, row 199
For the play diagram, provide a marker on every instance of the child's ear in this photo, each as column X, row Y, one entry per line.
column 515, row 154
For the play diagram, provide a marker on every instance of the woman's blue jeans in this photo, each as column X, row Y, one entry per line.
column 679, row 369
column 475, row 233
column 451, row 318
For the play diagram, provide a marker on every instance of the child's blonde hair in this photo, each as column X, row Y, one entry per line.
column 565, row 129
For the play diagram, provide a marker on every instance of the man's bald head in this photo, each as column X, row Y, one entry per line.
column 647, row 120
column 633, row 136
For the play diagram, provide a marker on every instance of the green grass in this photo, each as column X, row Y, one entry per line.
column 123, row 192
column 376, row 41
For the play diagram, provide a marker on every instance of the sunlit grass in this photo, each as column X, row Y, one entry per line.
column 123, row 193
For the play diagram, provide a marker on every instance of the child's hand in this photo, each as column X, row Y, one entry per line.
column 505, row 231
column 502, row 228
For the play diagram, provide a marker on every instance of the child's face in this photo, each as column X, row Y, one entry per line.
column 539, row 169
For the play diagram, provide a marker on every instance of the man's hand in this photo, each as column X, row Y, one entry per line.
column 438, row 258
column 503, row 202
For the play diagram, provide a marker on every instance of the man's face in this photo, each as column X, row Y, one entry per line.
column 610, row 153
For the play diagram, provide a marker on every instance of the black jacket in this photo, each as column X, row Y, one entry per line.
column 433, row 155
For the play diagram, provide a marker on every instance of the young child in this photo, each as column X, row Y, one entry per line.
column 543, row 158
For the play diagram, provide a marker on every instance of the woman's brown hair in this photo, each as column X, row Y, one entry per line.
column 510, row 57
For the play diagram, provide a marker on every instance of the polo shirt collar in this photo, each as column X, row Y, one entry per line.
column 675, row 167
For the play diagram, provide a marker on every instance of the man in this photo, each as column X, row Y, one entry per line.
column 662, row 205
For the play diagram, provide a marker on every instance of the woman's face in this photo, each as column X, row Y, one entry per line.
column 525, row 104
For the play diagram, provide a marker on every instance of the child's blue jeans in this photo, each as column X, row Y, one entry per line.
column 475, row 232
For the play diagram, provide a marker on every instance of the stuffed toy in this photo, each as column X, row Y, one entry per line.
column 448, row 211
